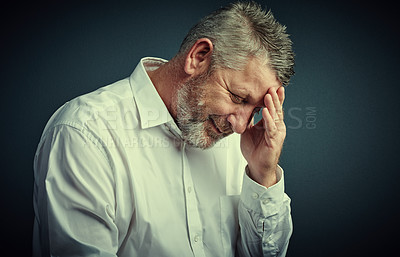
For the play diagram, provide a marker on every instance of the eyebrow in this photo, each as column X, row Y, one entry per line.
column 246, row 95
column 243, row 93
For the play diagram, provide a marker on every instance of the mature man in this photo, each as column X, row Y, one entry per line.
column 145, row 166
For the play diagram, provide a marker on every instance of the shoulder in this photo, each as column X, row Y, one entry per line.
column 106, row 107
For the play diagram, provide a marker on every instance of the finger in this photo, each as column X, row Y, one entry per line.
column 281, row 94
column 272, row 122
column 269, row 125
column 277, row 104
column 269, row 103
column 278, row 98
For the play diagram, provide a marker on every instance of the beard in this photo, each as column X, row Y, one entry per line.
column 197, row 127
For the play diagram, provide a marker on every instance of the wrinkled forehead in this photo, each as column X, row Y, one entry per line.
column 254, row 80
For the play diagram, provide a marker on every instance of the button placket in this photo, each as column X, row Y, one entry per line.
column 194, row 224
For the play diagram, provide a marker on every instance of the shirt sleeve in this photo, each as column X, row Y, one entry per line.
column 264, row 218
column 73, row 196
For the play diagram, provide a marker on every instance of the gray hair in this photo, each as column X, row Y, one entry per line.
column 242, row 30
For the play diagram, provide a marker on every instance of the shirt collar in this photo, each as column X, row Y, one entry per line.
column 151, row 108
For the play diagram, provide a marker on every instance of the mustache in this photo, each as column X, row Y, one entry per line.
column 222, row 124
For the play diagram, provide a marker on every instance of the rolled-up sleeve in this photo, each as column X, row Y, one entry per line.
column 264, row 218
column 73, row 196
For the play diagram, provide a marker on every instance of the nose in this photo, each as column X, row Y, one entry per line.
column 240, row 120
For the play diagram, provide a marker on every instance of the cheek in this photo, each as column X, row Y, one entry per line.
column 218, row 104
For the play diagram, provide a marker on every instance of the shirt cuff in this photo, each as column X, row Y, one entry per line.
column 260, row 199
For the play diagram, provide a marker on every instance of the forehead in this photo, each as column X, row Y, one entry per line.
column 254, row 81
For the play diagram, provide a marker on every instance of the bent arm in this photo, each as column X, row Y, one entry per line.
column 264, row 219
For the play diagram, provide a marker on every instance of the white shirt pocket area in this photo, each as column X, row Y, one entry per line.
column 229, row 223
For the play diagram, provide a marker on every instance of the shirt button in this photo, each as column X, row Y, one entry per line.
column 196, row 238
column 254, row 195
column 189, row 189
column 265, row 201
column 269, row 242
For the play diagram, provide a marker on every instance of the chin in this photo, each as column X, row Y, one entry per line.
column 211, row 138
column 202, row 143
column 204, row 136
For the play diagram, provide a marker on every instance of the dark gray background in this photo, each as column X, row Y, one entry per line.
column 340, row 155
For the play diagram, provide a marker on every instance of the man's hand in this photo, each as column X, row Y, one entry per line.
column 261, row 144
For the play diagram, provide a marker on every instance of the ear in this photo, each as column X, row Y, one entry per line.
column 198, row 58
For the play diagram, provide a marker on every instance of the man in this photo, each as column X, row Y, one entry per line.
column 145, row 166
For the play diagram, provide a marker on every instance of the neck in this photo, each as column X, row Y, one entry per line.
column 167, row 80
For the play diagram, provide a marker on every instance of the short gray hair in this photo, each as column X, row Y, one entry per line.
column 242, row 30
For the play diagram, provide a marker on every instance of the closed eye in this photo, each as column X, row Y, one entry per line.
column 236, row 99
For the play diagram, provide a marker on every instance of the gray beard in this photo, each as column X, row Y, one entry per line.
column 191, row 114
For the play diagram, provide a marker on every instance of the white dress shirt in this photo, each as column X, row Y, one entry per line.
column 114, row 178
